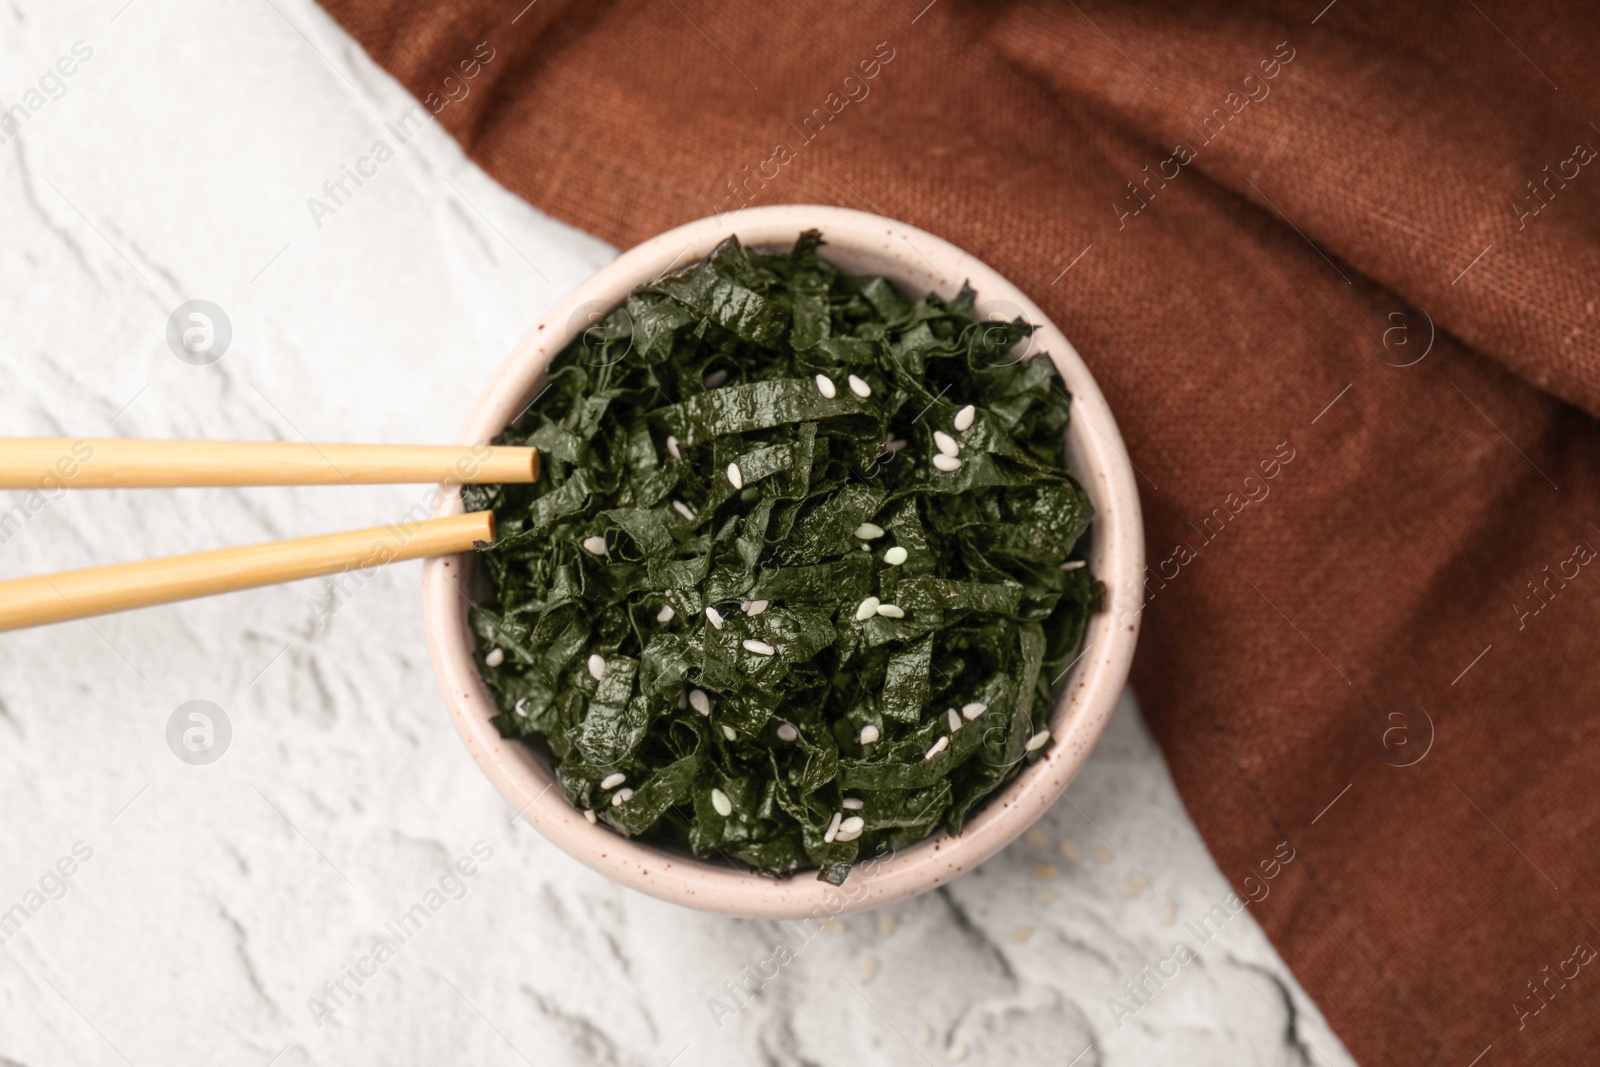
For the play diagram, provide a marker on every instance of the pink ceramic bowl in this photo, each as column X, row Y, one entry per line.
column 863, row 244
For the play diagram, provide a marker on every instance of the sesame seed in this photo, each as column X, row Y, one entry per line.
column 964, row 418
column 699, row 701
column 1037, row 741
column 495, row 657
column 666, row 613
column 735, row 478
column 672, row 448
column 597, row 666
column 787, row 732
column 844, row 836
column 948, row 464
column 683, row 700
column 973, row 710
column 891, row 611
column 716, row 378
column 612, row 780
column 854, row 803
column 760, row 648
column 938, row 747
column 955, row 719
column 621, row 797
column 859, row 387
column 945, row 443
column 715, row 616
column 825, row 386
column 895, row 556
column 894, row 444
column 683, row 509
column 853, row 825
column 833, row 828
column 757, row 607
column 869, row 531
column 867, row 609
column 730, row 733
column 1074, row 564
column 588, row 813
column 720, row 801
column 869, row 734
column 595, row 545
column 518, row 707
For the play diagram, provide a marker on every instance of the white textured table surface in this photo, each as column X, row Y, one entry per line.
column 208, row 905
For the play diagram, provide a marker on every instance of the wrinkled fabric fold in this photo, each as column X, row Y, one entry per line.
column 1351, row 344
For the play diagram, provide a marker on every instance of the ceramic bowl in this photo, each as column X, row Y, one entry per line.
column 918, row 261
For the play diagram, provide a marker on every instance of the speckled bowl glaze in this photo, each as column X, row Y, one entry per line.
column 861, row 243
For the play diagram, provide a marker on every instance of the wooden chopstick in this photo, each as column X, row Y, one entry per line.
column 118, row 463
column 122, row 586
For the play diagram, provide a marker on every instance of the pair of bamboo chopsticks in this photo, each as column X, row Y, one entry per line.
column 48, row 465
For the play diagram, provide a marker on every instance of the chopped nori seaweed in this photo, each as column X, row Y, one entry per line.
column 989, row 614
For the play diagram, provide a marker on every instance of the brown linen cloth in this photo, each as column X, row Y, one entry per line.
column 1336, row 270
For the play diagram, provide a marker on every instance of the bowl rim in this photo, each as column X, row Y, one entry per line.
column 863, row 243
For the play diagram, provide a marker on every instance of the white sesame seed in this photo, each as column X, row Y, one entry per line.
column 833, row 828
column 867, row 609
column 730, row 733
column 859, row 387
column 588, row 813
column 1037, row 741
column 852, row 826
column 518, row 707
column 891, row 611
column 683, row 509
column 894, row 444
column 854, row 803
column 946, row 463
column 869, row 734
column 869, row 531
column 844, row 837
column 716, row 378
column 672, row 448
column 735, row 478
column 715, row 616
column 621, row 797
column 760, row 648
column 612, row 780
column 973, row 710
column 666, row 613
column 865, row 547
column 597, row 666
column 699, row 701
column 683, row 700
column 955, row 719
column 787, row 732
column 945, row 443
column 1074, row 564
column 895, row 556
column 720, row 801
column 495, row 657
column 964, row 418
column 595, row 545
column 757, row 607
column 825, row 386
column 938, row 747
